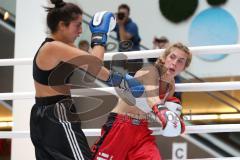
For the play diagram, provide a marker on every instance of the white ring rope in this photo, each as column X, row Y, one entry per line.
column 16, row 61
column 17, row 96
column 218, row 49
column 184, row 87
column 207, row 86
column 224, row 49
column 195, row 129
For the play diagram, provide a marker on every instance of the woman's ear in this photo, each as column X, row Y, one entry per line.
column 61, row 25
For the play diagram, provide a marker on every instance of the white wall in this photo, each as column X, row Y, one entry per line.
column 151, row 23
column 30, row 32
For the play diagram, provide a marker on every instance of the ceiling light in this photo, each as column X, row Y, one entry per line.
column 193, row 117
column 6, row 16
column 201, row 117
column 6, row 124
column 229, row 116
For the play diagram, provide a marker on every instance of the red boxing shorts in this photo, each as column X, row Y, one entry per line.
column 125, row 138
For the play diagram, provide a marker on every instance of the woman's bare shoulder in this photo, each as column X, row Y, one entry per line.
column 147, row 73
column 62, row 51
column 148, row 70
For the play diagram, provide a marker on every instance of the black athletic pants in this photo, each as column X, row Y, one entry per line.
column 56, row 132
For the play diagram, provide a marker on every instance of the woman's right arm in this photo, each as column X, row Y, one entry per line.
column 90, row 63
column 147, row 76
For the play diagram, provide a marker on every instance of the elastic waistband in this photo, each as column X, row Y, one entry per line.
column 50, row 99
column 127, row 119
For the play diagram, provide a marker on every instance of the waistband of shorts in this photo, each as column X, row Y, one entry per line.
column 50, row 99
column 127, row 119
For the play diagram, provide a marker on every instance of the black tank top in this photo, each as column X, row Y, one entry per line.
column 59, row 75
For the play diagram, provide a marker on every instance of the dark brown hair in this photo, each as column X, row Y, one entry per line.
column 62, row 11
column 124, row 6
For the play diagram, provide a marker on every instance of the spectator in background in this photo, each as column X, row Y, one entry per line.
column 159, row 43
column 84, row 45
column 127, row 30
column 128, row 37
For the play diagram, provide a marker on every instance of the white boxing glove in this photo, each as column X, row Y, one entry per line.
column 174, row 107
column 169, row 115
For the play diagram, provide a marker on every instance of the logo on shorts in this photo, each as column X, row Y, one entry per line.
column 104, row 156
column 136, row 122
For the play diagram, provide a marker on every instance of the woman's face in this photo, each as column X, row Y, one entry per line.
column 73, row 30
column 175, row 62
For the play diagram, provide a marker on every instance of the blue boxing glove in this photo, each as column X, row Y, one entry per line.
column 101, row 25
column 126, row 82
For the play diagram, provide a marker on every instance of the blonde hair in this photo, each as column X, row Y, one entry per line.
column 169, row 49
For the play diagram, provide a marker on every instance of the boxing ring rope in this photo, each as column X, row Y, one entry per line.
column 196, row 129
column 16, row 61
column 183, row 87
column 226, row 49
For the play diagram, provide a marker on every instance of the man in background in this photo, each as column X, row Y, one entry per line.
column 84, row 45
column 128, row 38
